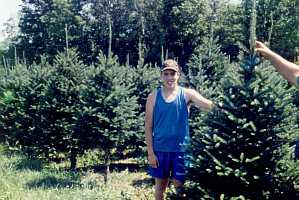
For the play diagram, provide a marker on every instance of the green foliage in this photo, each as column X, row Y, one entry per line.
column 42, row 27
column 206, row 69
column 207, row 66
column 239, row 151
column 145, row 80
column 285, row 34
column 31, row 127
column 277, row 23
column 7, row 97
column 228, row 28
column 42, row 117
column 177, row 26
column 68, row 108
column 239, row 148
column 11, row 83
column 184, row 23
column 111, row 107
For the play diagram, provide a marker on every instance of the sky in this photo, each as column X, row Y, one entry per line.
column 8, row 9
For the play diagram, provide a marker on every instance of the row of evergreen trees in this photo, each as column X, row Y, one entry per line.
column 68, row 107
column 240, row 151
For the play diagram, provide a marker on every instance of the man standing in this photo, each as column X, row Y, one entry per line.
column 167, row 128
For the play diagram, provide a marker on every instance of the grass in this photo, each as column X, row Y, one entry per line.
column 22, row 179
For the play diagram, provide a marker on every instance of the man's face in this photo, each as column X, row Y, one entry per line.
column 170, row 78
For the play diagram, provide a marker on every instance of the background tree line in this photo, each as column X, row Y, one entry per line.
column 164, row 27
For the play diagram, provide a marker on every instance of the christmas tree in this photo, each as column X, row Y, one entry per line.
column 111, row 109
column 237, row 152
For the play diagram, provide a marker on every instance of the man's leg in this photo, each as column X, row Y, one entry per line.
column 178, row 187
column 160, row 188
column 179, row 173
column 161, row 174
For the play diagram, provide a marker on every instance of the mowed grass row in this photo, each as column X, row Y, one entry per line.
column 22, row 179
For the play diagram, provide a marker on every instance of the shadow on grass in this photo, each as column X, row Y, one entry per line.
column 118, row 167
column 144, row 183
column 28, row 164
column 52, row 182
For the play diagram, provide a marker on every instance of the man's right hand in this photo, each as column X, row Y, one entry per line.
column 152, row 160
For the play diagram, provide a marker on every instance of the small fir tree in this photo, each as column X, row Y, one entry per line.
column 206, row 67
column 113, row 108
column 11, row 82
column 33, row 126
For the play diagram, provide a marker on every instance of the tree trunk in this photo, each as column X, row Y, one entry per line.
column 107, row 170
column 73, row 159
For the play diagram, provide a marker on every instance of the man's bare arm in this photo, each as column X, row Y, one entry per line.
column 198, row 100
column 149, row 109
column 287, row 69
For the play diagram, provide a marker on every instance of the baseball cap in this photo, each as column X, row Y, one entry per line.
column 170, row 64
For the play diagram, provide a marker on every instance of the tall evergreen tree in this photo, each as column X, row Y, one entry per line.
column 207, row 66
column 237, row 150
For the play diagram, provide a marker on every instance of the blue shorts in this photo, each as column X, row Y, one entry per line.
column 171, row 165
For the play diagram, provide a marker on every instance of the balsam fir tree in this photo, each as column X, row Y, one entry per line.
column 112, row 109
column 145, row 80
column 33, row 128
column 236, row 154
column 63, row 105
column 238, row 151
column 206, row 68
column 13, row 78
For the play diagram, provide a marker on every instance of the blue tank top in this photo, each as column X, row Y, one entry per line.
column 170, row 123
